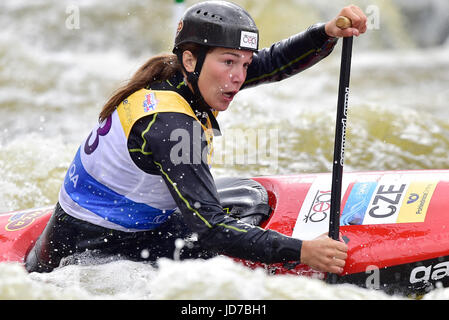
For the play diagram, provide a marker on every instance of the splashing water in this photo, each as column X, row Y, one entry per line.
column 55, row 80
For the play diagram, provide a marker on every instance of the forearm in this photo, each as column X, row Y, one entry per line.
column 193, row 189
column 195, row 194
column 290, row 56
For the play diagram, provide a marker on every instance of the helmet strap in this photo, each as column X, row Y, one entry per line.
column 193, row 77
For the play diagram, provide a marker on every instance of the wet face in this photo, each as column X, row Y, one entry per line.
column 223, row 73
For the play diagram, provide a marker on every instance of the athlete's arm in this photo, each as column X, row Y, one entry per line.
column 290, row 56
column 176, row 149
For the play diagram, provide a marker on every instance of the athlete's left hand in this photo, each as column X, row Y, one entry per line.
column 357, row 17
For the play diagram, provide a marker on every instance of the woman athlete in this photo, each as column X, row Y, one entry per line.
column 141, row 179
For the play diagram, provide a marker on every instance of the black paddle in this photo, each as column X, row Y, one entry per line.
column 340, row 136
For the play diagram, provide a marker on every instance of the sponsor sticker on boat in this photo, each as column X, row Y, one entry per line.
column 23, row 219
column 371, row 199
column 416, row 201
column 313, row 218
column 357, row 203
column 390, row 200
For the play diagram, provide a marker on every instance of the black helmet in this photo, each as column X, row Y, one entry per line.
column 218, row 24
column 214, row 24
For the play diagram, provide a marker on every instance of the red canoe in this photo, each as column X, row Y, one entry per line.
column 396, row 225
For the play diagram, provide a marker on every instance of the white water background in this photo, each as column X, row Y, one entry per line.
column 55, row 75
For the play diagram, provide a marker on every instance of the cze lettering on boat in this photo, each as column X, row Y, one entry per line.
column 386, row 201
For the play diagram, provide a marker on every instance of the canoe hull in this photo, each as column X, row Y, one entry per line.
column 395, row 224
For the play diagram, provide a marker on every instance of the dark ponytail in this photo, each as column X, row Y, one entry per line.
column 158, row 68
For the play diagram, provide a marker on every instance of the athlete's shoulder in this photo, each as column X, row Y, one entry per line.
column 144, row 103
column 150, row 101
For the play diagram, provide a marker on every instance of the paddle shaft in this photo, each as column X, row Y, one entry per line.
column 340, row 137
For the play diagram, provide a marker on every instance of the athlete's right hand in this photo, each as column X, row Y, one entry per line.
column 324, row 254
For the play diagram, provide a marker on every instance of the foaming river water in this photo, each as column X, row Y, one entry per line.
column 54, row 78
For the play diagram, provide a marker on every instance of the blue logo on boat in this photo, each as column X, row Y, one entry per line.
column 357, row 203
